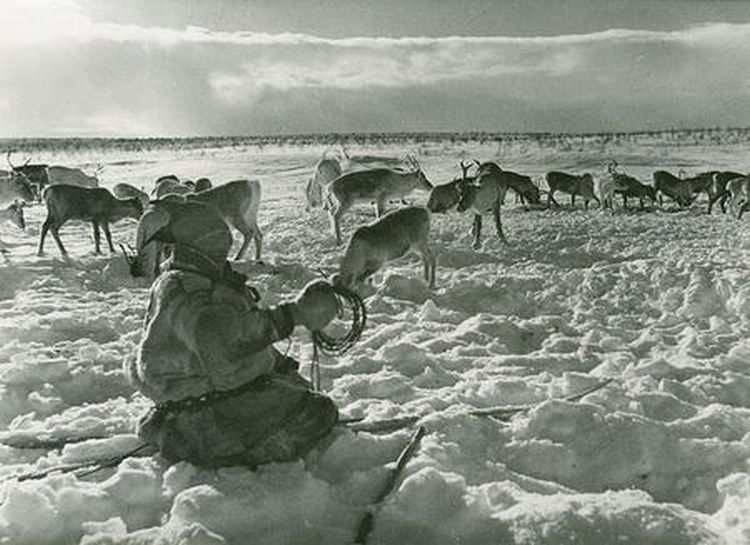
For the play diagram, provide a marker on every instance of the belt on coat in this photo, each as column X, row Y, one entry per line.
column 196, row 403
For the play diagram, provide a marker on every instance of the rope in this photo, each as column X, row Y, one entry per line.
column 336, row 346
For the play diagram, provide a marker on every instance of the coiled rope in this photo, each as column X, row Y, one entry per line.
column 336, row 346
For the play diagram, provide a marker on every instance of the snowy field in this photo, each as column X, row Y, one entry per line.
column 658, row 300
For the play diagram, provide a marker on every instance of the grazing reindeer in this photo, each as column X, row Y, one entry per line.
column 14, row 214
column 237, row 203
column 582, row 185
column 97, row 205
column 15, row 186
column 485, row 195
column 445, row 197
column 702, row 183
column 157, row 225
column 390, row 237
column 627, row 186
column 379, row 185
column 739, row 191
column 720, row 193
column 521, row 184
column 127, row 191
column 326, row 170
column 170, row 185
column 677, row 189
column 42, row 175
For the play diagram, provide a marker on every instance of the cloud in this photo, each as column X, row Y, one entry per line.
column 65, row 73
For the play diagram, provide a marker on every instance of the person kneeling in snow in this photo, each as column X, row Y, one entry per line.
column 223, row 394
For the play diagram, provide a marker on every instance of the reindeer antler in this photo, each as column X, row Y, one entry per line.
column 464, row 169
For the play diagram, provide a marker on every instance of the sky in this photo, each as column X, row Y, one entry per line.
column 233, row 67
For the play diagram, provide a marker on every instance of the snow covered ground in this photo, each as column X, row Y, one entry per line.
column 659, row 301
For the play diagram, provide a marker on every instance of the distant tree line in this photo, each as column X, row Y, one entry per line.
column 704, row 136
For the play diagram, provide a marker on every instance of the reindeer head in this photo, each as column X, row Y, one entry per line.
column 16, row 215
column 422, row 181
column 468, row 196
column 147, row 249
column 533, row 195
column 22, row 187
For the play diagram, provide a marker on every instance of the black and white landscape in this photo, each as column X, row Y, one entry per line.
column 656, row 299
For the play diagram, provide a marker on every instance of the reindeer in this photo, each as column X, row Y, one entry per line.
column 627, row 186
column 127, row 191
column 445, row 197
column 720, row 193
column 14, row 187
column 237, row 203
column 202, row 184
column 485, row 195
column 97, row 205
column 521, row 184
column 170, row 184
column 14, row 214
column 739, row 191
column 604, row 189
column 379, row 185
column 326, row 170
column 582, row 184
column 677, row 189
column 43, row 175
column 701, row 183
column 390, row 237
column 156, row 228
column 35, row 174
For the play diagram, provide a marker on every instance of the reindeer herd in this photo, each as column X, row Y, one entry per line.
column 338, row 183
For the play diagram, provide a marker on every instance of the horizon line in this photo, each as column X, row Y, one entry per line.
column 383, row 134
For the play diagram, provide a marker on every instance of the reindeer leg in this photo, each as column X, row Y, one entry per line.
column 477, row 231
column 97, row 247
column 56, row 236
column 428, row 262
column 108, row 236
column 744, row 207
column 380, row 207
column 247, row 233
column 498, row 224
column 45, row 229
column 258, row 237
column 335, row 215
